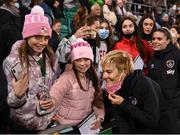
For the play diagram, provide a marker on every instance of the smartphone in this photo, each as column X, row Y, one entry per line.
column 16, row 71
column 92, row 34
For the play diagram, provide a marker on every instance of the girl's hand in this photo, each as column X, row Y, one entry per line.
column 115, row 99
column 46, row 104
column 96, row 124
column 20, row 86
column 82, row 32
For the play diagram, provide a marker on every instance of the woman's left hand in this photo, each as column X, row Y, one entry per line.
column 96, row 124
column 115, row 99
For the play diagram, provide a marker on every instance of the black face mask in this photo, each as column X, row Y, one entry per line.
column 129, row 36
column 146, row 36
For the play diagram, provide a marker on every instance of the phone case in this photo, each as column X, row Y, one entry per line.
column 16, row 71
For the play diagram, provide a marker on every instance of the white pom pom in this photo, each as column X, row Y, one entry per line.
column 37, row 10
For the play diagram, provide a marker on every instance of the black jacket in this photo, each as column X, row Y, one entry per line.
column 54, row 41
column 4, row 108
column 10, row 32
column 164, row 68
column 139, row 112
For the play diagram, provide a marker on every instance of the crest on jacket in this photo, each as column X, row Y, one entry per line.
column 170, row 63
column 133, row 100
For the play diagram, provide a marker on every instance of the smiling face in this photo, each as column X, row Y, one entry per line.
column 159, row 41
column 128, row 27
column 148, row 25
column 82, row 65
column 111, row 74
column 38, row 43
column 116, row 65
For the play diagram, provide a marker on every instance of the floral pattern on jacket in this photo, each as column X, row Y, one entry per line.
column 24, row 110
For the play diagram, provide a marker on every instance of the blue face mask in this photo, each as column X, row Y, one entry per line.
column 103, row 33
column 17, row 5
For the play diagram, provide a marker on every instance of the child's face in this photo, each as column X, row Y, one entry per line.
column 38, row 43
column 128, row 27
column 82, row 65
column 57, row 27
column 148, row 25
column 104, row 25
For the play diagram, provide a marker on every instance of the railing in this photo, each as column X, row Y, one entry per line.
column 137, row 8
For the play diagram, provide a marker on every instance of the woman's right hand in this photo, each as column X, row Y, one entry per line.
column 115, row 99
column 20, row 86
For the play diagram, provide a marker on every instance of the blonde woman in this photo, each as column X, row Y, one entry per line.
column 133, row 96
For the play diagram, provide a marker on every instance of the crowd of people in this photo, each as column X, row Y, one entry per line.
column 117, row 64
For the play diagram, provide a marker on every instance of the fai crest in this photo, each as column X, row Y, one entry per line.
column 133, row 100
column 170, row 63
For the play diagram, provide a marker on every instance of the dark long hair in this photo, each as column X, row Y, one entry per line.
column 139, row 42
column 24, row 52
column 140, row 26
column 110, row 41
column 92, row 76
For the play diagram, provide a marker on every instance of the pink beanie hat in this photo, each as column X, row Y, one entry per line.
column 81, row 49
column 36, row 23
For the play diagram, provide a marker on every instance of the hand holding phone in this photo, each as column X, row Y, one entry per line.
column 45, row 100
column 20, row 86
column 16, row 70
column 91, row 33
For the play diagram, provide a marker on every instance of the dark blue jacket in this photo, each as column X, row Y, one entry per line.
column 10, row 32
column 4, row 108
column 164, row 68
column 139, row 112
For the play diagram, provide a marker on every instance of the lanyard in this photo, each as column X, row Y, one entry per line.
column 42, row 63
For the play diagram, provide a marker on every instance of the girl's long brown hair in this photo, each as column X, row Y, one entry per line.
column 110, row 41
column 92, row 76
column 24, row 52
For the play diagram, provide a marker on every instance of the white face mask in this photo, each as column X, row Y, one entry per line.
column 17, row 5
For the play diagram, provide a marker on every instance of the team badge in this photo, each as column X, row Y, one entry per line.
column 170, row 63
column 133, row 100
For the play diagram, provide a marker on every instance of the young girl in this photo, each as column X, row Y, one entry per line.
column 56, row 37
column 146, row 27
column 131, row 43
column 31, row 69
column 77, row 92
